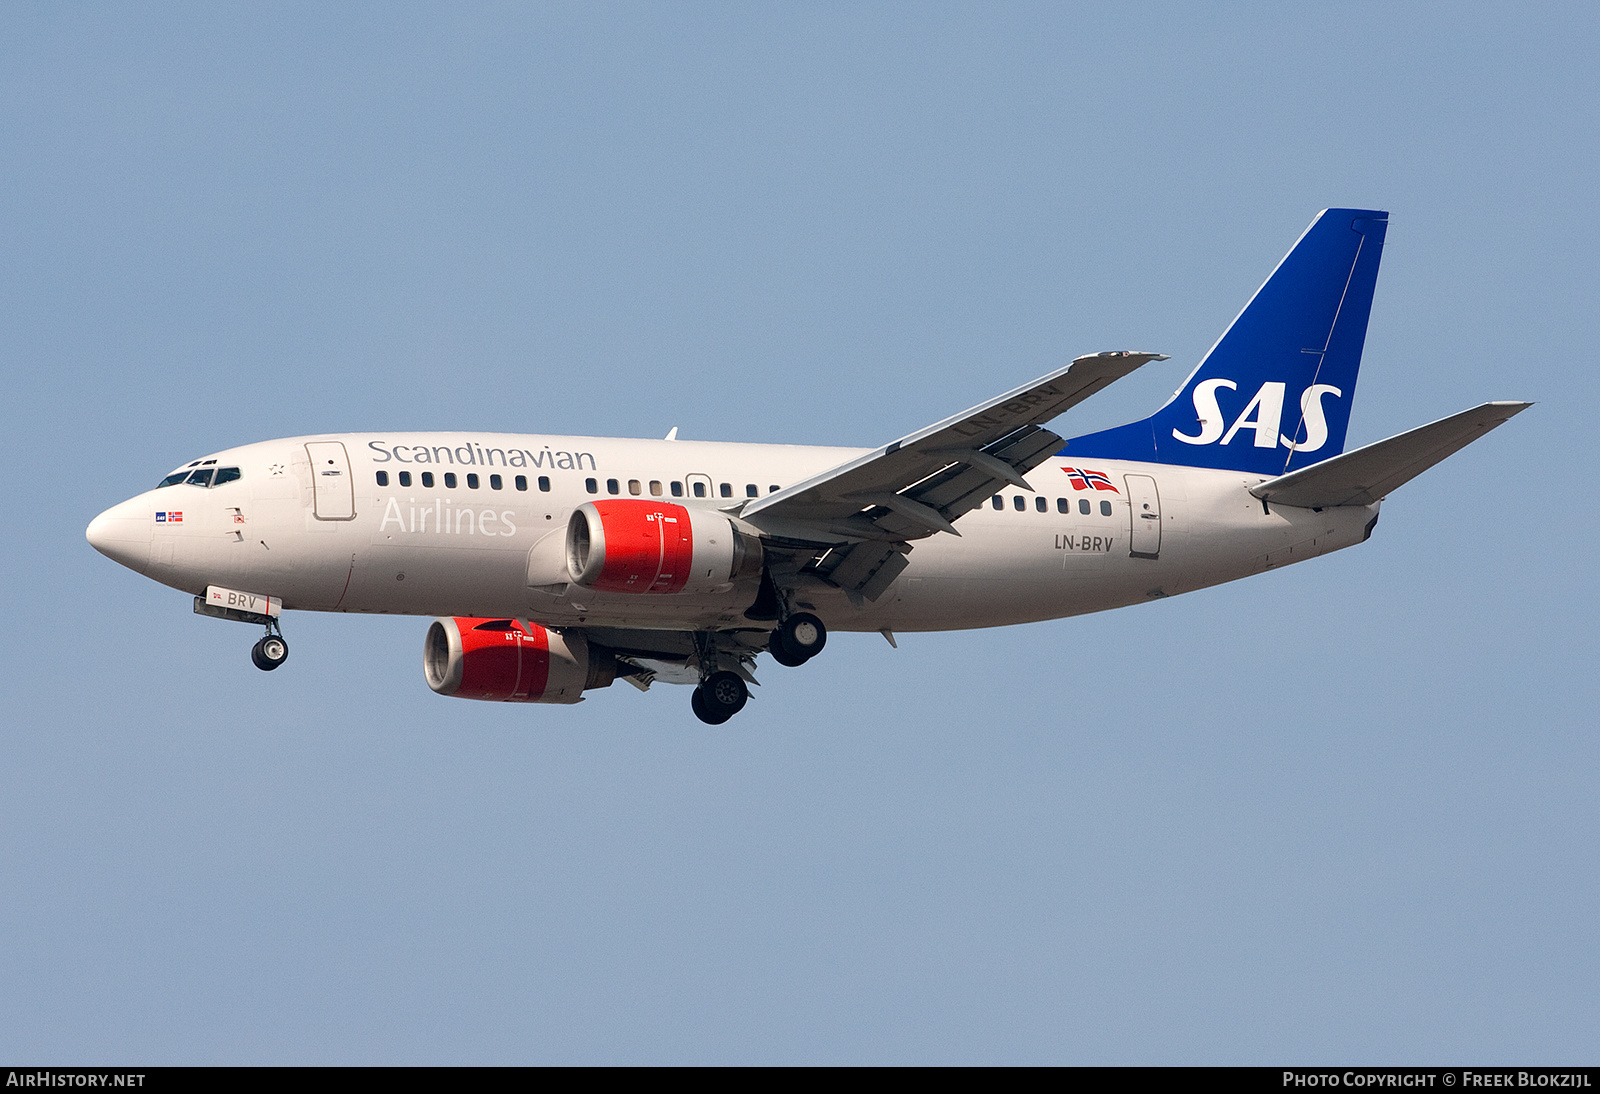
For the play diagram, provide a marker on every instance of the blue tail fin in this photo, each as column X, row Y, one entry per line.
column 1275, row 391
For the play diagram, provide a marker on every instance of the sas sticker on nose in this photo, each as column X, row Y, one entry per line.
column 174, row 517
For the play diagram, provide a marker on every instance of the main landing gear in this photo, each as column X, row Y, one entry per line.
column 798, row 639
column 719, row 697
column 272, row 650
column 722, row 694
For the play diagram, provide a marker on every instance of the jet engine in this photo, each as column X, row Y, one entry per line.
column 512, row 661
column 628, row 546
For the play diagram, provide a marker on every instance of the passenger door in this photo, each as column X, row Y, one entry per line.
column 332, row 492
column 1144, row 509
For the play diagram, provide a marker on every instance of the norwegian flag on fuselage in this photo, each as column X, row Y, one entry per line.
column 1083, row 479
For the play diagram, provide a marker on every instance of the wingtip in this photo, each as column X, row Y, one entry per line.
column 1145, row 355
column 1509, row 407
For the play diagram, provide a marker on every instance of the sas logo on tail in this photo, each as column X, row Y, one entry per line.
column 1267, row 406
column 1083, row 479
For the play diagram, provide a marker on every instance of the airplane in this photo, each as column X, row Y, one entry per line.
column 557, row 565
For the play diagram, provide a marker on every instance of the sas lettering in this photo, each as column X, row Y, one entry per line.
column 1262, row 416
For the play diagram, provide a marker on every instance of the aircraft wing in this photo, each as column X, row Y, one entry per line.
column 923, row 482
column 1367, row 474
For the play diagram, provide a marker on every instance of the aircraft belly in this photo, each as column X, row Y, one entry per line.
column 442, row 580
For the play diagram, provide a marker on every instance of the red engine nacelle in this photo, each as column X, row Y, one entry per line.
column 512, row 661
column 628, row 546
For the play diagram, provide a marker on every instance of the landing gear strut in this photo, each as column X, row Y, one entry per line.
column 272, row 650
column 719, row 697
column 220, row 603
column 798, row 639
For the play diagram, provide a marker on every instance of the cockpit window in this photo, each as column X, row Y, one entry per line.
column 205, row 476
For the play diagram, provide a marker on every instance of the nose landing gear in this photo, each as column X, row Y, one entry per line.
column 220, row 603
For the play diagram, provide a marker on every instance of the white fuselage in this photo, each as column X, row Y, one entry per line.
column 299, row 526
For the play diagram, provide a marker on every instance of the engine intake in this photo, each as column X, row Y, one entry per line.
column 628, row 546
column 512, row 661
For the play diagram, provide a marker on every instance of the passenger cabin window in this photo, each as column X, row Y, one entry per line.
column 383, row 478
column 727, row 489
column 1019, row 503
column 544, row 484
column 635, row 487
column 496, row 482
column 1041, row 505
column 1083, row 506
column 772, row 489
column 201, row 477
column 677, row 489
column 999, row 502
column 427, row 479
column 1063, row 505
column 699, row 489
column 405, row 478
column 449, row 480
column 472, row 482
column 655, row 488
column 613, row 487
column 520, row 482
column 750, row 490
column 226, row 474
column 591, row 485
column 1105, row 509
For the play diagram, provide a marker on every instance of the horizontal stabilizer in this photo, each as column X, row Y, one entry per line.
column 1367, row 474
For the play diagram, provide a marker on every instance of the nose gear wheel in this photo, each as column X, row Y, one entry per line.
column 270, row 652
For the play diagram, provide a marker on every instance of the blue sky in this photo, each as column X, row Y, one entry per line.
column 1339, row 812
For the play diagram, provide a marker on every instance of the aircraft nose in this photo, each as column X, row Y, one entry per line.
column 122, row 533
